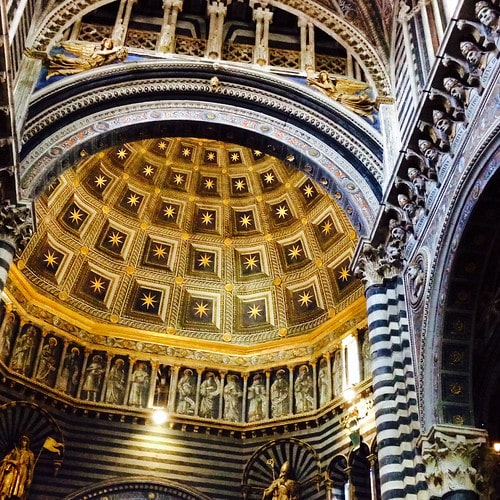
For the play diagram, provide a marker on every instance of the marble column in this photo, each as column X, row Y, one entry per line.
column 166, row 41
column 217, row 13
column 307, row 50
column 262, row 18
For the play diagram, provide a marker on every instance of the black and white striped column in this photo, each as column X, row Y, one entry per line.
column 395, row 401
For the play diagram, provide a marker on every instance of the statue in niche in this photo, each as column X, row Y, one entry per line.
column 186, row 393
column 139, row 386
column 16, row 471
column 47, row 364
column 280, row 397
column 93, row 378
column 9, row 330
column 323, row 382
column 232, row 397
column 162, row 387
column 283, row 487
column 68, row 380
column 84, row 56
column 257, row 398
column 209, row 390
column 366, row 355
column 115, row 385
column 416, row 276
column 337, row 373
column 24, row 351
column 304, row 391
column 350, row 93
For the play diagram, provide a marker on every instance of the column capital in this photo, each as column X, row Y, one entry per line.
column 16, row 225
column 453, row 458
column 373, row 267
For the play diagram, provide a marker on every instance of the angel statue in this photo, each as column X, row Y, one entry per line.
column 349, row 93
column 84, row 56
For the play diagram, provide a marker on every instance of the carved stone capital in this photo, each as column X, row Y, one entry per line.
column 373, row 266
column 453, row 457
column 16, row 225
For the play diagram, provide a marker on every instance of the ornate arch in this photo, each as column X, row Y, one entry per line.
column 116, row 489
column 94, row 112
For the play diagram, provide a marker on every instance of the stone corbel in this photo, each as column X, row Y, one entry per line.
column 453, row 457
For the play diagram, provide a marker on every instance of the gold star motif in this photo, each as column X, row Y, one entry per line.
column 282, row 211
column 100, row 181
column 209, row 184
column 207, row 218
column 210, row 156
column 97, row 284
column 159, row 252
column 186, row 152
column 251, row 261
column 269, row 178
column 239, row 185
column 169, row 211
column 201, row 309
column 308, row 191
column 326, row 228
column 148, row 300
column 148, row 170
column 295, row 252
column 162, row 145
column 122, row 154
column 178, row 179
column 257, row 153
column 254, row 311
column 344, row 274
column 245, row 220
column 305, row 299
column 235, row 156
column 133, row 200
column 76, row 216
column 115, row 239
column 205, row 260
column 50, row 259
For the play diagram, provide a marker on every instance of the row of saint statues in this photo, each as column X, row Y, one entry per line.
column 99, row 376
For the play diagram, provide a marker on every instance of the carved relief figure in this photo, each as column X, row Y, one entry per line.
column 16, row 471
column 24, row 351
column 232, row 397
column 337, row 373
column 280, row 398
column 139, row 386
column 257, row 399
column 84, row 56
column 8, row 335
column 304, row 390
column 323, row 382
column 68, row 380
column 115, row 386
column 209, row 390
column 186, row 393
column 93, row 378
column 162, row 387
column 48, row 362
column 283, row 487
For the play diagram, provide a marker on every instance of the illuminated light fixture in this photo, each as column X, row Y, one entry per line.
column 496, row 447
column 159, row 417
column 349, row 394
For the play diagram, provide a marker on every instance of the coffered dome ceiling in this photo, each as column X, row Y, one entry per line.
column 190, row 238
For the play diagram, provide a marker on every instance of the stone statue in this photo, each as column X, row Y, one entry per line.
column 323, row 382
column 68, row 380
column 84, row 56
column 93, row 377
column 186, row 393
column 24, row 351
column 304, row 391
column 139, row 385
column 257, row 398
column 209, row 390
column 115, row 387
column 283, row 487
column 47, row 364
column 349, row 93
column 280, row 404
column 232, row 396
column 16, row 471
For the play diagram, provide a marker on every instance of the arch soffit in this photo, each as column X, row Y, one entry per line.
column 63, row 146
column 50, row 29
column 484, row 166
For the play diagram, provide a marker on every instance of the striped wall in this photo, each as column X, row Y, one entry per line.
column 395, row 401
column 7, row 252
column 103, row 448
